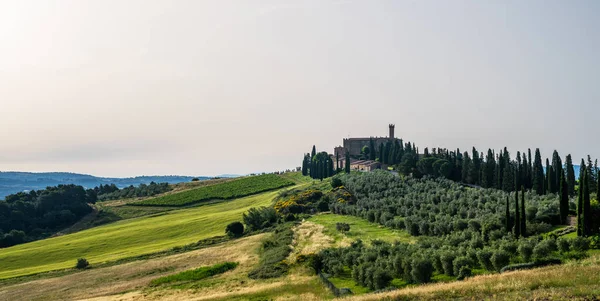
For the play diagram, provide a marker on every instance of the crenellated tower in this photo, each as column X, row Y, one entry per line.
column 392, row 126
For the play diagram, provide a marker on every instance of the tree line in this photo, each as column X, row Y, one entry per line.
column 318, row 165
column 112, row 192
column 28, row 216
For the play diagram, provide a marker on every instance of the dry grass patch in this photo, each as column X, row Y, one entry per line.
column 309, row 238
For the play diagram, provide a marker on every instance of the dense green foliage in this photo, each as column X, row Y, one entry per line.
column 274, row 250
column 258, row 218
column 38, row 214
column 465, row 227
column 228, row 190
column 235, row 229
column 82, row 263
column 106, row 192
column 196, row 274
column 318, row 165
column 435, row 206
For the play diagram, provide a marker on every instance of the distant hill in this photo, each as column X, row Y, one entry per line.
column 14, row 181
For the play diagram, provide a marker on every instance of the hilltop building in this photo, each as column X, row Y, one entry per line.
column 355, row 145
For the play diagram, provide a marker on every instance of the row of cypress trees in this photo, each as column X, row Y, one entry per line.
column 520, row 222
column 318, row 165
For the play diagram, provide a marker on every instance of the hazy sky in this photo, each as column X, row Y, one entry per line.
column 123, row 88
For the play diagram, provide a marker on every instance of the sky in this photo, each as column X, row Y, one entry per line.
column 148, row 87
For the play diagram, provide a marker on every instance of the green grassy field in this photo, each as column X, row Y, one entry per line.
column 359, row 229
column 227, row 190
column 127, row 238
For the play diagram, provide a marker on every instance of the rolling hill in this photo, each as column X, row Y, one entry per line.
column 13, row 181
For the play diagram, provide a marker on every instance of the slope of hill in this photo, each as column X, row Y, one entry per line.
column 223, row 191
column 13, row 181
column 127, row 238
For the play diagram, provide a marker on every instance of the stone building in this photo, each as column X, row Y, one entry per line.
column 365, row 165
column 355, row 145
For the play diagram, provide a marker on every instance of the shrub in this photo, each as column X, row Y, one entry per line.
column 235, row 229
column 594, row 242
column 500, row 259
column 314, row 261
column 563, row 244
column 447, row 260
column 82, row 263
column 422, row 270
column 530, row 265
column 336, row 182
column 580, row 244
column 461, row 262
column 342, row 227
column 381, row 279
column 195, row 180
column 525, row 250
column 484, row 256
column 544, row 248
column 465, row 272
column 259, row 218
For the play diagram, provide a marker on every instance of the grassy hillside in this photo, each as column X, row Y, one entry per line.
column 127, row 238
column 359, row 229
column 228, row 190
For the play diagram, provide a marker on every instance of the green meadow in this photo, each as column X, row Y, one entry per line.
column 222, row 191
column 359, row 229
column 127, row 238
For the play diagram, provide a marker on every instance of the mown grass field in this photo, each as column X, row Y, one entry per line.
column 224, row 191
column 127, row 238
column 359, row 229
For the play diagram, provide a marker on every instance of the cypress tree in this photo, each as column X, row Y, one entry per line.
column 490, row 167
column 518, row 172
column 500, row 169
column 591, row 177
column 525, row 172
column 581, row 172
column 598, row 189
column 523, row 217
column 557, row 171
column 538, row 173
column 347, row 167
column 508, row 225
column 466, row 167
column 476, row 168
column 564, row 199
column 305, row 165
column 337, row 161
column 547, row 177
column 587, row 210
column 331, row 171
column 381, row 154
column 517, row 216
column 314, row 152
column 508, row 178
column 580, row 202
column 373, row 152
column 531, row 170
column 570, row 175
